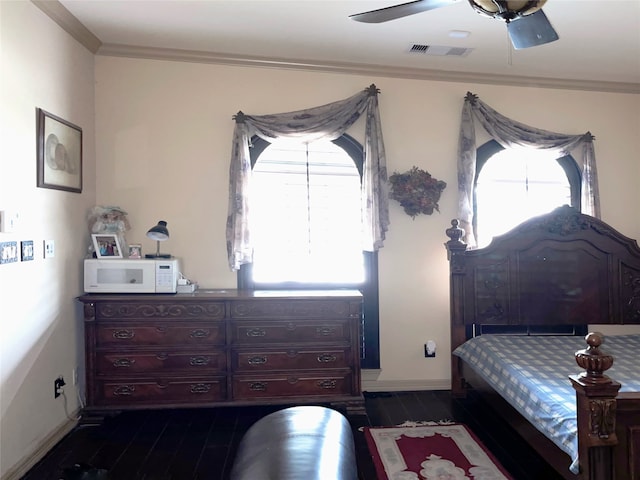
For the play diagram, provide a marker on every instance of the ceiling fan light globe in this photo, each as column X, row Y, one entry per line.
column 506, row 9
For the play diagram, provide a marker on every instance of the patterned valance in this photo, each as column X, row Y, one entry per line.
column 326, row 122
column 510, row 134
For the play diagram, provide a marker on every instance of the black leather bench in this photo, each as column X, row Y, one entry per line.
column 297, row 443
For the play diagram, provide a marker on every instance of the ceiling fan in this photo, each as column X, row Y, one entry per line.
column 527, row 24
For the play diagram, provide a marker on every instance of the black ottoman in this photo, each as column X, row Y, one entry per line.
column 297, row 443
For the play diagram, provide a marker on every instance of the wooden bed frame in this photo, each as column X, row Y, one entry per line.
column 567, row 270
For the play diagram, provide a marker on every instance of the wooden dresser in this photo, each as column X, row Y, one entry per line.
column 223, row 347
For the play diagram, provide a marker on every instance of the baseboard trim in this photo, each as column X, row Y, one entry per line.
column 404, row 385
column 27, row 462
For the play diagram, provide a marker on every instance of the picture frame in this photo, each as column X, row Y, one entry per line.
column 59, row 157
column 135, row 250
column 106, row 245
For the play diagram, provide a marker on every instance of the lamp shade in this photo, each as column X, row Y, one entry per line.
column 159, row 232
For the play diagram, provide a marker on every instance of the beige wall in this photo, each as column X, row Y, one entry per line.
column 162, row 144
column 40, row 326
column 163, row 153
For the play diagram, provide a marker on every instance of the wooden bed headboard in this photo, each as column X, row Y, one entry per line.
column 561, row 268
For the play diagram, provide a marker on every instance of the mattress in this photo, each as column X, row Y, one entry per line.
column 531, row 374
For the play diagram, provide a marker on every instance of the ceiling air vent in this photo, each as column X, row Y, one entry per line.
column 440, row 51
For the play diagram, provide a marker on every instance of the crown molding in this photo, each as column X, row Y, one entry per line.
column 56, row 11
column 197, row 56
column 70, row 24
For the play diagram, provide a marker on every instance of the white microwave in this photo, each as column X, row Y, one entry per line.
column 131, row 275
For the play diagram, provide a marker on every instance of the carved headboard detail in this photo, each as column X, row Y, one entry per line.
column 562, row 268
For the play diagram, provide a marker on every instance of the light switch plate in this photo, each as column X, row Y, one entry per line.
column 8, row 252
column 49, row 249
column 8, row 221
column 26, row 248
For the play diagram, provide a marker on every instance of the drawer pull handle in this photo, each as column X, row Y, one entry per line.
column 325, row 331
column 124, row 362
column 257, row 360
column 256, row 332
column 200, row 333
column 162, row 385
column 327, row 384
column 200, row 388
column 326, row 358
column 162, row 356
column 199, row 361
column 162, row 330
column 123, row 334
column 292, row 380
column 124, row 390
column 258, row 386
column 292, row 353
column 291, row 327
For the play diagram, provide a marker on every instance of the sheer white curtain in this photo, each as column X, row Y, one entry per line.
column 511, row 134
column 324, row 122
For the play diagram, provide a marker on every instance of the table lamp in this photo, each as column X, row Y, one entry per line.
column 159, row 233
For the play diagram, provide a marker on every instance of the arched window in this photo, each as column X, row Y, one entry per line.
column 306, row 224
column 512, row 185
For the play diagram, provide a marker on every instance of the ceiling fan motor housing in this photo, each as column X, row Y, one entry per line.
column 506, row 9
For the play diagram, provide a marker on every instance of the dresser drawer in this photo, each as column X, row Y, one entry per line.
column 191, row 363
column 290, row 359
column 301, row 331
column 160, row 310
column 160, row 333
column 176, row 390
column 294, row 309
column 302, row 384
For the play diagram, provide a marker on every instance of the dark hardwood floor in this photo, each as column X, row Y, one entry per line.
column 199, row 444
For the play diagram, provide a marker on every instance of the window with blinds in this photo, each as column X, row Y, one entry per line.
column 514, row 185
column 306, row 215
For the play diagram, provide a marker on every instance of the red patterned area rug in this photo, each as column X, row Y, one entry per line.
column 430, row 452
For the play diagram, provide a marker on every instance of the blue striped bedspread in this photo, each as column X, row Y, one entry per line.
column 531, row 374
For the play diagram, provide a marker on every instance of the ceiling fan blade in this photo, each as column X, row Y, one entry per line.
column 531, row 31
column 398, row 11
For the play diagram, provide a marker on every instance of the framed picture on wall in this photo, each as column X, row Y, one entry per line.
column 59, row 153
column 106, row 245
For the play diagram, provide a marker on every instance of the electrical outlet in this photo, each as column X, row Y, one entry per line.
column 58, row 383
column 430, row 349
column 49, row 248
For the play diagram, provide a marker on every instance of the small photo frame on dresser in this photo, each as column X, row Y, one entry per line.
column 106, row 245
column 135, row 250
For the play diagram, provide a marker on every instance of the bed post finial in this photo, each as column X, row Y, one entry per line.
column 594, row 360
column 455, row 233
column 455, row 244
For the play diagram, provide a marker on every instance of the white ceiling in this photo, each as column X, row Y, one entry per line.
column 599, row 39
